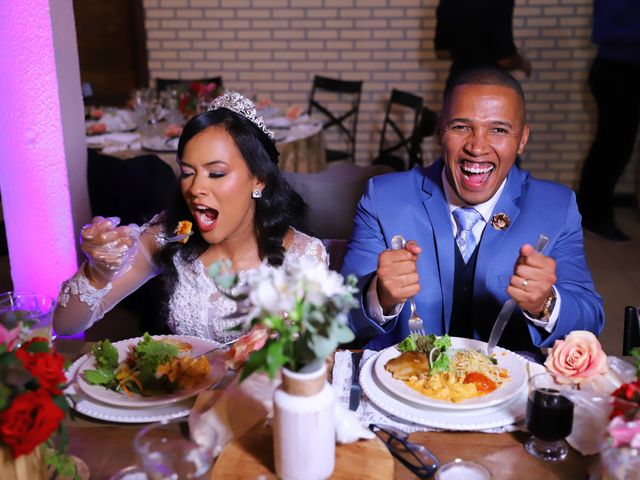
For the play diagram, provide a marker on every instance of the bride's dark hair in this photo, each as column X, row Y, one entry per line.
column 279, row 208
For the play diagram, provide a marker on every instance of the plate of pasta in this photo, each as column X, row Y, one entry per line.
column 454, row 375
column 148, row 371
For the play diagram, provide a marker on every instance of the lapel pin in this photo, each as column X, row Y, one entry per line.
column 500, row 221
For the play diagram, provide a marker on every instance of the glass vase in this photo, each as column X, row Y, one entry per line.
column 304, row 427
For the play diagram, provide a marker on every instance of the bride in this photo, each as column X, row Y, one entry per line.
column 242, row 208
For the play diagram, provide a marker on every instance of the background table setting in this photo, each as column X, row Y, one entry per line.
column 154, row 125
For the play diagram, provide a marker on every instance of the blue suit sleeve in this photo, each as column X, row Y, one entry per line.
column 366, row 243
column 582, row 307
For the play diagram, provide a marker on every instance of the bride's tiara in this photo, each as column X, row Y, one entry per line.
column 241, row 105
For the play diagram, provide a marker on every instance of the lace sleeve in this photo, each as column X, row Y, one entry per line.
column 80, row 304
column 304, row 245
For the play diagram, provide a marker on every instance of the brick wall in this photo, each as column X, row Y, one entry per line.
column 275, row 47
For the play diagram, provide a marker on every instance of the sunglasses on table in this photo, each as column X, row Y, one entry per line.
column 415, row 457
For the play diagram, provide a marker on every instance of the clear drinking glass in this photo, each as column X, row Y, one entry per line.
column 549, row 418
column 166, row 451
column 27, row 307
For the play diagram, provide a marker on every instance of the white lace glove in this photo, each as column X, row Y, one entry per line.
column 109, row 248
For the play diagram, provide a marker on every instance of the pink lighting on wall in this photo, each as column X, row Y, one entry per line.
column 33, row 169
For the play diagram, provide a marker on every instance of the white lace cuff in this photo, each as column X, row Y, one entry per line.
column 79, row 286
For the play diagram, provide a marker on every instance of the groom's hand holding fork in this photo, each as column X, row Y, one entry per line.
column 397, row 275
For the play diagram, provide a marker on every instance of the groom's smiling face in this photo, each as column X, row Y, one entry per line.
column 482, row 130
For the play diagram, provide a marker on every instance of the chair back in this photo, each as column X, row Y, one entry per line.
column 426, row 127
column 631, row 334
column 337, row 249
column 338, row 103
column 332, row 195
column 165, row 83
column 399, row 127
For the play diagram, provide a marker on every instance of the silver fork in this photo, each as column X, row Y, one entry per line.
column 415, row 322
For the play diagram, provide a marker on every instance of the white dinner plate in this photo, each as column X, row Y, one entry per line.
column 90, row 407
column 503, row 414
column 120, row 399
column 508, row 360
column 160, row 144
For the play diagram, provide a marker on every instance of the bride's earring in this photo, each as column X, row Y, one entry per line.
column 257, row 193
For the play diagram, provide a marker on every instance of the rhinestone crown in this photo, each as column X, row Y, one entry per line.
column 241, row 105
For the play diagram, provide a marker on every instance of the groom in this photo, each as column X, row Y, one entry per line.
column 471, row 219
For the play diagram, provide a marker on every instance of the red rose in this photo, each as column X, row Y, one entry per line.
column 29, row 421
column 626, row 399
column 46, row 367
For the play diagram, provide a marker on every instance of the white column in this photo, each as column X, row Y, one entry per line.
column 43, row 163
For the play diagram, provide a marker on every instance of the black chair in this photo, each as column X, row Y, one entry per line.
column 338, row 101
column 134, row 190
column 631, row 335
column 165, row 83
column 399, row 128
column 426, row 128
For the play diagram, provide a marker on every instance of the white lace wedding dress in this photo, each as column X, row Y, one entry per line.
column 195, row 307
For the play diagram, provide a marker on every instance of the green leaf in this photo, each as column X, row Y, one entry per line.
column 408, row 344
column 441, row 364
column 274, row 358
column 255, row 362
column 4, row 396
column 38, row 347
column 344, row 334
column 101, row 376
column 322, row 346
column 442, row 342
column 106, row 355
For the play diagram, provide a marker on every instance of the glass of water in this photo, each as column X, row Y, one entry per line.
column 32, row 309
column 167, row 451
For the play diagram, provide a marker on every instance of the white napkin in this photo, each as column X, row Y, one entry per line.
column 113, row 140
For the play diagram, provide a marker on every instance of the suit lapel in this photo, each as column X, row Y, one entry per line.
column 437, row 209
column 492, row 239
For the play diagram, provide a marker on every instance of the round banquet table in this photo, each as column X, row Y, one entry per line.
column 301, row 146
column 106, row 447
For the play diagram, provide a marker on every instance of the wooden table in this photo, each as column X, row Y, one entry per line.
column 107, row 447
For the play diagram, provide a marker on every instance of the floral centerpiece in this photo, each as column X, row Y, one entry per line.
column 32, row 406
column 192, row 95
column 579, row 360
column 297, row 315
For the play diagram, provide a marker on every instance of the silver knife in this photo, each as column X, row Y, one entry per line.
column 509, row 305
column 354, row 393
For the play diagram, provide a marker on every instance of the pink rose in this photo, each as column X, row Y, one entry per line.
column 577, row 358
column 96, row 113
column 249, row 342
column 624, row 433
column 96, row 129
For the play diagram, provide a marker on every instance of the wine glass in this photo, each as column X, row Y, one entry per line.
column 549, row 418
column 167, row 451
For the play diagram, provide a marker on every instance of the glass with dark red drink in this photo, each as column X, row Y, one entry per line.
column 549, row 418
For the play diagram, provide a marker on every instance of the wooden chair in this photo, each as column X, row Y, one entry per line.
column 426, row 128
column 631, row 334
column 165, row 83
column 338, row 101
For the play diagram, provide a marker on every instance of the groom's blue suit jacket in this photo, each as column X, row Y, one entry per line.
column 413, row 205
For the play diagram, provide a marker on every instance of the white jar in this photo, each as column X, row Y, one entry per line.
column 304, row 427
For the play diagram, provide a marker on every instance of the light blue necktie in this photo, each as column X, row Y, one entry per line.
column 466, row 218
